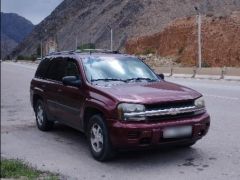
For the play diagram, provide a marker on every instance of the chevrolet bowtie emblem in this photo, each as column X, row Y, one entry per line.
column 174, row 111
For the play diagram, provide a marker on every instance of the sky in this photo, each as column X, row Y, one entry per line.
column 33, row 10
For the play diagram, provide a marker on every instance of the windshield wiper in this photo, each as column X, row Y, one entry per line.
column 139, row 79
column 107, row 79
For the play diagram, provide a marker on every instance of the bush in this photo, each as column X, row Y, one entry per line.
column 149, row 51
column 87, row 46
column 180, row 51
column 28, row 58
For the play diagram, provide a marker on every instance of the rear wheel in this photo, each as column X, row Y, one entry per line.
column 98, row 139
column 42, row 122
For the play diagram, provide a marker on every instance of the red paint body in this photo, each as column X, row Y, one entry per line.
column 69, row 104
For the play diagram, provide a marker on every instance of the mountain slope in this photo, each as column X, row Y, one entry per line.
column 87, row 21
column 220, row 41
column 14, row 29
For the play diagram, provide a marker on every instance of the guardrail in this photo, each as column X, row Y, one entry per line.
column 227, row 73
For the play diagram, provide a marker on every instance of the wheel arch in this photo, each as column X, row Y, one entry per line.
column 88, row 113
column 36, row 97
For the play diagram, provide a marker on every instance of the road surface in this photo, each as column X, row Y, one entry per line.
column 64, row 150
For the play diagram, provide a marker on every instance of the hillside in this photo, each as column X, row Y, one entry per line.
column 220, row 41
column 87, row 21
column 14, row 29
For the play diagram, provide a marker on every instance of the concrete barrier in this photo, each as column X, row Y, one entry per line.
column 203, row 73
column 232, row 74
column 183, row 72
column 167, row 71
column 209, row 73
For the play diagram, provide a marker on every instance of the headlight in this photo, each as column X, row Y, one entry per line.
column 130, row 108
column 199, row 103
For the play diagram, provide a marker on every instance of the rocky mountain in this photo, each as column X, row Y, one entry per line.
column 14, row 29
column 85, row 21
column 220, row 41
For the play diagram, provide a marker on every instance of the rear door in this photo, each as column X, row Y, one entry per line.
column 54, row 77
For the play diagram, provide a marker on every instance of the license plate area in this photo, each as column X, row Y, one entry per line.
column 177, row 132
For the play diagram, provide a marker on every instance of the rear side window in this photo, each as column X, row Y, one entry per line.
column 56, row 70
column 42, row 68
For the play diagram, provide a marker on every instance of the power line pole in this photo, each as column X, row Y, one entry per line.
column 76, row 43
column 199, row 22
column 111, row 39
column 111, row 32
column 41, row 49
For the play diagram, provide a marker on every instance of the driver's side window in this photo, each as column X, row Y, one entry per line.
column 72, row 69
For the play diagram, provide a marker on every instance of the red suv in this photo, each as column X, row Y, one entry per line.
column 117, row 101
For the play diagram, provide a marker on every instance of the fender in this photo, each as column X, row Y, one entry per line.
column 107, row 110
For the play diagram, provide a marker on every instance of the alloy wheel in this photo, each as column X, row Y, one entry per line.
column 96, row 138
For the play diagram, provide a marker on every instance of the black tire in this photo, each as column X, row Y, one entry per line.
column 43, row 124
column 105, row 151
column 187, row 145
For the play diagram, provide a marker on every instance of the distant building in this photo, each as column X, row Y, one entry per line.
column 50, row 45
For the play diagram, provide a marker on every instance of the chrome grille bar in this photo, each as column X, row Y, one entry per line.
column 164, row 112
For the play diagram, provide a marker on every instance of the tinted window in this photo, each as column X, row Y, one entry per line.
column 56, row 70
column 42, row 68
column 71, row 69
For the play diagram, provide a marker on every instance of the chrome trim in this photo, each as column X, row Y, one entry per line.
column 162, row 112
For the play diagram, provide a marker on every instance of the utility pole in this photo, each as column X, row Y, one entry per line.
column 41, row 49
column 199, row 22
column 111, row 31
column 111, row 39
column 76, row 43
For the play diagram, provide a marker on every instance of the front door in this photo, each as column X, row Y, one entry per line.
column 71, row 98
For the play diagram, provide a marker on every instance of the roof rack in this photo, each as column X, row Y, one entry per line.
column 61, row 52
column 84, row 51
column 96, row 51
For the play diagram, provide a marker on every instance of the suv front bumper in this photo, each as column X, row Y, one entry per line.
column 147, row 134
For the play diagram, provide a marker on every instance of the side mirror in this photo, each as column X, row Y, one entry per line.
column 71, row 81
column 161, row 76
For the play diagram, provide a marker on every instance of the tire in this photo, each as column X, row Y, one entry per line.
column 41, row 118
column 98, row 139
column 187, row 145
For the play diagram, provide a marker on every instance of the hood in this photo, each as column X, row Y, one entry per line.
column 148, row 93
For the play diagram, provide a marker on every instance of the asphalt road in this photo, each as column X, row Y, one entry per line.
column 64, row 150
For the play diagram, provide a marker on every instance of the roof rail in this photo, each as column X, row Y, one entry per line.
column 96, row 51
column 84, row 51
column 61, row 52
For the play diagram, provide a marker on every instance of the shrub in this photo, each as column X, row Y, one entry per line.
column 149, row 51
column 87, row 46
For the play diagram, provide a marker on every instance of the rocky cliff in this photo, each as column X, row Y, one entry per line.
column 220, row 41
column 85, row 21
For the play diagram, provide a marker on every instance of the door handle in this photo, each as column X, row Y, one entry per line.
column 59, row 90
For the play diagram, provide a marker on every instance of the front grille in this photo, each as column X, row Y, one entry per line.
column 170, row 117
column 169, row 105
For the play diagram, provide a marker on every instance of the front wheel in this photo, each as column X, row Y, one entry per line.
column 187, row 145
column 42, row 122
column 98, row 139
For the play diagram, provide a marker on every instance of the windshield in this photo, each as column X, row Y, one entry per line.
column 117, row 69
